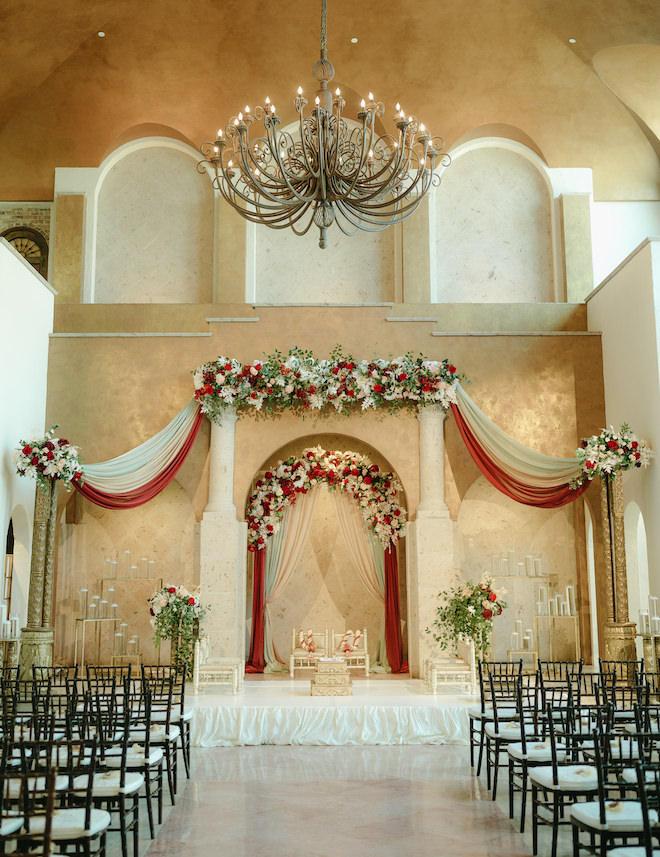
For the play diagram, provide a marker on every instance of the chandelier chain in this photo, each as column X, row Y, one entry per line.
column 324, row 26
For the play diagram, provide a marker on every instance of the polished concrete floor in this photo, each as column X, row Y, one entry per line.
column 331, row 801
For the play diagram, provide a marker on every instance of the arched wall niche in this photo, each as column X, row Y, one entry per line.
column 325, row 590
column 161, row 530
column 494, row 226
column 21, row 573
column 489, row 523
column 154, row 225
column 637, row 563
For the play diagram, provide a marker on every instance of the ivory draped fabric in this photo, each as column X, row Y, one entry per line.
column 526, row 476
column 354, row 533
column 140, row 474
column 269, row 582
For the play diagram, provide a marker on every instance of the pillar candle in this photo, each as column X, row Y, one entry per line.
column 13, row 621
column 644, row 624
column 3, row 613
column 107, row 567
column 570, row 600
column 653, row 606
column 133, row 572
column 521, row 569
column 530, row 634
column 529, row 565
column 526, row 643
column 118, row 643
column 113, row 607
column 144, row 566
column 84, row 593
column 539, row 608
column 152, row 568
column 655, row 625
column 115, row 566
column 538, row 566
column 127, row 563
column 511, row 557
column 494, row 565
column 504, row 566
column 514, row 642
column 103, row 606
column 519, row 628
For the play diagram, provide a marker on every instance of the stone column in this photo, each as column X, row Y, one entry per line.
column 37, row 636
column 222, row 548
column 429, row 541
column 619, row 633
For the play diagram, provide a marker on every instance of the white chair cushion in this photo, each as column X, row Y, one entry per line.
column 537, row 751
column 570, row 778
column 107, row 783
column 156, row 733
column 10, row 825
column 13, row 787
column 69, row 823
column 134, row 758
column 503, row 713
column 507, row 731
column 619, row 815
column 632, row 851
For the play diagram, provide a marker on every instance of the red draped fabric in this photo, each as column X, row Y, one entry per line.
column 146, row 492
column 393, row 642
column 530, row 495
column 256, row 660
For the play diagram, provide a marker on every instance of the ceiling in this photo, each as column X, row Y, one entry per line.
column 68, row 97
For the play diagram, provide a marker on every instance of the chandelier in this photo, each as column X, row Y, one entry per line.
column 324, row 169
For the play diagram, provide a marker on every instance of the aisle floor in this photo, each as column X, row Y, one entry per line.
column 328, row 801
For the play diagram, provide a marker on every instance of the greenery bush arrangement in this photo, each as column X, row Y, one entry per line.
column 175, row 616
column 466, row 614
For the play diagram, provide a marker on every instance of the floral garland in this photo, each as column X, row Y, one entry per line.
column 353, row 474
column 467, row 614
column 610, row 452
column 48, row 458
column 300, row 382
column 175, row 615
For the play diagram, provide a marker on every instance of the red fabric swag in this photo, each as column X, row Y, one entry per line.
column 256, row 660
column 131, row 499
column 542, row 498
column 393, row 642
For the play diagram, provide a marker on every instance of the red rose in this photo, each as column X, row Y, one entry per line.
column 172, row 590
column 403, row 376
column 378, row 388
column 254, row 395
column 638, row 455
column 27, row 450
column 367, row 480
column 612, row 444
column 191, row 601
column 35, row 460
column 590, row 465
column 397, row 512
column 350, row 393
column 451, row 369
column 487, row 614
column 335, row 370
column 227, row 367
column 63, row 441
column 49, row 445
column 49, row 455
column 252, row 548
column 634, row 444
column 492, row 596
column 374, row 468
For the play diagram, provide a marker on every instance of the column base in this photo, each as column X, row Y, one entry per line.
column 36, row 649
column 619, row 639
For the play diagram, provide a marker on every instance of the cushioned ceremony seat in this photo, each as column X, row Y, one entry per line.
column 306, row 648
column 352, row 646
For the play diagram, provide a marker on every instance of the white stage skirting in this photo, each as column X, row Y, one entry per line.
column 380, row 711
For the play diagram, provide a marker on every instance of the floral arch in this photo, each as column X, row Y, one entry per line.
column 276, row 491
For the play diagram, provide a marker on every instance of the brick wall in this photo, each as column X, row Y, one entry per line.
column 30, row 215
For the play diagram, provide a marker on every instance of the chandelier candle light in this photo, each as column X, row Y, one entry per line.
column 329, row 169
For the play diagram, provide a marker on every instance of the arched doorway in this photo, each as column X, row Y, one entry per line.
column 325, row 588
column 637, row 563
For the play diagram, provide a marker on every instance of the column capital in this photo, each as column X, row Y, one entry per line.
column 429, row 412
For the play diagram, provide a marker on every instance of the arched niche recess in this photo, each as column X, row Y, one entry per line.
column 637, row 562
column 325, row 591
column 154, row 226
column 494, row 226
column 161, row 530
column 489, row 523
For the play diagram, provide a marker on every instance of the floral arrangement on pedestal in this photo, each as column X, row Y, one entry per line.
column 374, row 492
column 301, row 382
column 47, row 459
column 610, row 452
column 175, row 616
column 467, row 614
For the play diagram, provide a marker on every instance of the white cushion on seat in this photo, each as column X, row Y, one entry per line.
column 632, row 851
column 507, row 731
column 570, row 778
column 11, row 825
column 69, row 823
column 156, row 733
column 502, row 713
column 619, row 815
column 134, row 758
column 107, row 783
column 536, row 751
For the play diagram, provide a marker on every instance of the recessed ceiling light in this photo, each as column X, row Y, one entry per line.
column 571, row 41
column 101, row 34
column 354, row 40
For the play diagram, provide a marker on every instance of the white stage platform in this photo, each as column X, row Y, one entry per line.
column 281, row 711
